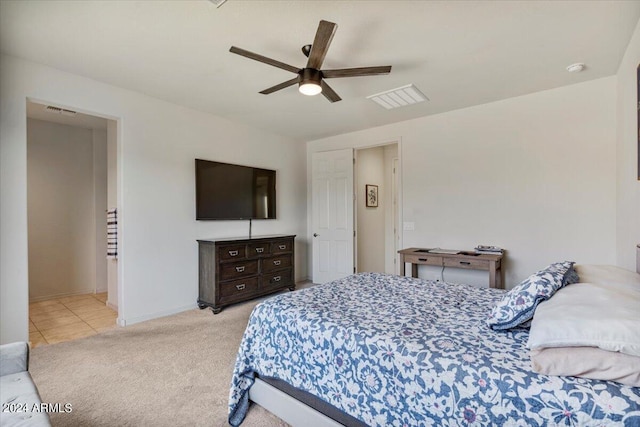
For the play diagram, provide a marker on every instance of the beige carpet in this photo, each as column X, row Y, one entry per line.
column 173, row 371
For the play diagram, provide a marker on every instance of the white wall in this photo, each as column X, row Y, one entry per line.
column 370, row 220
column 534, row 174
column 61, row 209
column 158, row 141
column 100, row 207
column 628, row 185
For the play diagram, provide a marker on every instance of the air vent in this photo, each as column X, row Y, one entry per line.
column 399, row 97
column 218, row 3
column 58, row 110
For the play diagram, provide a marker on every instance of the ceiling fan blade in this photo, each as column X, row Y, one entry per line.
column 264, row 59
column 321, row 43
column 280, row 86
column 356, row 72
column 329, row 93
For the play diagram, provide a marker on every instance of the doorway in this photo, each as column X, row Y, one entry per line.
column 70, row 186
column 376, row 243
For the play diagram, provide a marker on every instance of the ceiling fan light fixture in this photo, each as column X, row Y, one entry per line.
column 310, row 89
column 310, row 81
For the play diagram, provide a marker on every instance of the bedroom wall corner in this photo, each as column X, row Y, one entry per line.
column 628, row 185
column 535, row 174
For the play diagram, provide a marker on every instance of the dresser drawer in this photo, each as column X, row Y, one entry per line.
column 425, row 259
column 276, row 279
column 276, row 263
column 228, row 252
column 234, row 270
column 238, row 289
column 259, row 249
column 281, row 246
column 475, row 264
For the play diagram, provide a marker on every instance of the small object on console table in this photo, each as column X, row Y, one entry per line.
column 460, row 259
column 240, row 269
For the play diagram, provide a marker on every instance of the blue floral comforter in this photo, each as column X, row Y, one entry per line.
column 398, row 351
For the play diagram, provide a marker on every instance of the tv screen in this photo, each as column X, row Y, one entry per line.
column 226, row 191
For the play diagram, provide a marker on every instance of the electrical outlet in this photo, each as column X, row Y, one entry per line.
column 409, row 226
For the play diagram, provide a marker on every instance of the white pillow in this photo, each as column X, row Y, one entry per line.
column 587, row 362
column 607, row 275
column 604, row 315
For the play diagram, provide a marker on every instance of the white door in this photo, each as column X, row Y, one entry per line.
column 332, row 215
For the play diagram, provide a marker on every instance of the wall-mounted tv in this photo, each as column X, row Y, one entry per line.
column 225, row 191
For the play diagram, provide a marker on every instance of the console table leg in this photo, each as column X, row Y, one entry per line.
column 492, row 275
column 414, row 270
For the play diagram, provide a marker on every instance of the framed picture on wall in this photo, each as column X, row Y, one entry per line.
column 371, row 192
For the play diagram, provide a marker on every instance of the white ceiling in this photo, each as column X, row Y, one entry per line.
column 458, row 53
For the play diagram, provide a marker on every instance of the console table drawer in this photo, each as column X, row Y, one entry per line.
column 235, row 270
column 474, row 264
column 229, row 252
column 259, row 249
column 281, row 246
column 426, row 259
column 238, row 289
column 276, row 279
column 276, row 263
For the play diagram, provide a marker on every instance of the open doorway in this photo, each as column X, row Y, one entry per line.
column 376, row 213
column 71, row 184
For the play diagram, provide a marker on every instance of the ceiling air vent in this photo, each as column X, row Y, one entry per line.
column 58, row 110
column 218, row 3
column 399, row 97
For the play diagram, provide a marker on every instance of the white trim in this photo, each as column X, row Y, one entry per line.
column 126, row 322
column 287, row 408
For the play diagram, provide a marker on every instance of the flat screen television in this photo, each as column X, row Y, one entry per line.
column 225, row 191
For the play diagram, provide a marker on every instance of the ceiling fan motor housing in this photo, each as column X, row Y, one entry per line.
column 310, row 75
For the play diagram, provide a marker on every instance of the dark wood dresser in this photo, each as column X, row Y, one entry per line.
column 239, row 269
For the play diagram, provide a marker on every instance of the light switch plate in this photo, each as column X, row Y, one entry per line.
column 409, row 226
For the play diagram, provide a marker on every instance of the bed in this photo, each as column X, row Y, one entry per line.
column 384, row 350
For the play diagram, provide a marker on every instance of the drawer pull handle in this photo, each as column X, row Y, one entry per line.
column 233, row 253
column 277, row 262
column 259, row 250
column 282, row 247
column 240, row 269
column 240, row 287
column 422, row 259
column 276, row 279
column 465, row 263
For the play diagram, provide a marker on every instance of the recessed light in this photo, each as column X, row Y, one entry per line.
column 575, row 68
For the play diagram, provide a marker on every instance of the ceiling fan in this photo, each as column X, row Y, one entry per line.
column 311, row 78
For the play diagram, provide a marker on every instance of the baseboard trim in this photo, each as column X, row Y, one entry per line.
column 156, row 315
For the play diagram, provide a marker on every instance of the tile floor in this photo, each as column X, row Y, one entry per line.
column 65, row 319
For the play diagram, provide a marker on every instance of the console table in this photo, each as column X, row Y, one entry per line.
column 238, row 269
column 462, row 259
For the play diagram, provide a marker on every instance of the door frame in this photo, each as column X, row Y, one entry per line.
column 355, row 147
column 118, row 134
column 397, row 191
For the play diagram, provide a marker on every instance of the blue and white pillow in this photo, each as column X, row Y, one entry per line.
column 518, row 305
